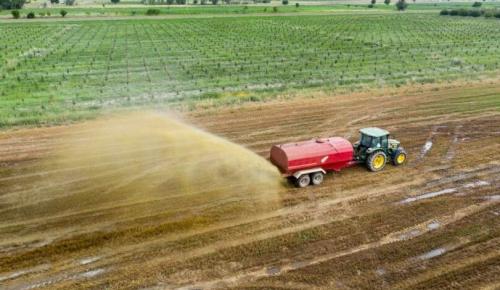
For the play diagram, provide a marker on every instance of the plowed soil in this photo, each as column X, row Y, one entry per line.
column 432, row 223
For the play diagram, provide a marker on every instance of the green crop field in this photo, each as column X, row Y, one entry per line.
column 135, row 8
column 56, row 71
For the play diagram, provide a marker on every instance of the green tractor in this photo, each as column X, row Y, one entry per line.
column 375, row 148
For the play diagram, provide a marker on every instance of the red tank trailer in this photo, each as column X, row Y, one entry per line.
column 308, row 161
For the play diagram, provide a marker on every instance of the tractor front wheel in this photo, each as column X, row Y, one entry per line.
column 376, row 161
column 399, row 158
column 303, row 180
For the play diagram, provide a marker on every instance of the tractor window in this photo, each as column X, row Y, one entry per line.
column 375, row 142
column 365, row 140
column 384, row 142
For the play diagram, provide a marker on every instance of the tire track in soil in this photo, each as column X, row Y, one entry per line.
column 403, row 235
column 267, row 235
column 258, row 126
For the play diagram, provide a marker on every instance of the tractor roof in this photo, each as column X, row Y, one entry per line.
column 374, row 132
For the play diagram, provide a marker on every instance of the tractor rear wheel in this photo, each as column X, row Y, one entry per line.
column 399, row 158
column 317, row 178
column 303, row 181
column 376, row 161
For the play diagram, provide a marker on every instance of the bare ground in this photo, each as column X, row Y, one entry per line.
column 433, row 223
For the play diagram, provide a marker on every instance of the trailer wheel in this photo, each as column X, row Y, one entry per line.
column 317, row 178
column 303, row 181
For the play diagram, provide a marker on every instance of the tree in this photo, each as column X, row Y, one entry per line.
column 15, row 14
column 387, row 2
column 30, row 15
column 54, row 1
column 401, row 5
column 12, row 4
column 69, row 2
column 284, row 2
column 477, row 4
column 463, row 12
column 374, row 2
column 214, row 2
column 63, row 12
column 152, row 12
column 115, row 1
column 297, row 5
column 475, row 13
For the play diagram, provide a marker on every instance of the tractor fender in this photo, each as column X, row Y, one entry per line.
column 371, row 150
column 298, row 174
column 396, row 152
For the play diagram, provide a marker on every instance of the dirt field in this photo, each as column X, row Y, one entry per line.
column 433, row 223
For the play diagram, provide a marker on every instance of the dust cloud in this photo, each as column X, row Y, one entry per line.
column 148, row 166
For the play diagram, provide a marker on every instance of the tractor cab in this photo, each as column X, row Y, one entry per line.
column 374, row 148
column 374, row 138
